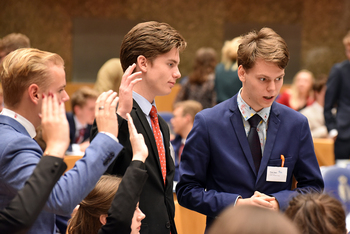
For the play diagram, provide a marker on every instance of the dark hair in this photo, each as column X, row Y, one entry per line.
column 265, row 44
column 316, row 213
column 204, row 65
column 149, row 39
column 320, row 82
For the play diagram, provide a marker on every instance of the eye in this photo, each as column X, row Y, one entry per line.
column 279, row 78
column 171, row 64
column 262, row 79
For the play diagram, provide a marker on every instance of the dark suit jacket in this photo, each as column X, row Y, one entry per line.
column 72, row 129
column 128, row 195
column 338, row 95
column 156, row 200
column 24, row 209
column 217, row 165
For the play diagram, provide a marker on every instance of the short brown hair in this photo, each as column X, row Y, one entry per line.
column 80, row 96
column 15, row 41
column 96, row 203
column 204, row 65
column 24, row 67
column 320, row 83
column 265, row 44
column 149, row 39
column 346, row 39
column 317, row 213
column 190, row 107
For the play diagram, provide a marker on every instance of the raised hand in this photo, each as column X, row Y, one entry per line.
column 106, row 117
column 129, row 79
column 54, row 124
column 139, row 148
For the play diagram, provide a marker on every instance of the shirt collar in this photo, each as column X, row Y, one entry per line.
column 78, row 125
column 248, row 112
column 144, row 104
column 23, row 121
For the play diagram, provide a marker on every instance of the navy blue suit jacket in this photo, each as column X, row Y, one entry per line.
column 338, row 95
column 72, row 129
column 217, row 166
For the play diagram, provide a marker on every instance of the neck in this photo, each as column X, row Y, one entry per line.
column 144, row 91
column 27, row 112
column 186, row 131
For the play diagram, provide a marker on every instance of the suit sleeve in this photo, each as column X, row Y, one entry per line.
column 332, row 96
column 123, row 206
column 23, row 210
column 191, row 190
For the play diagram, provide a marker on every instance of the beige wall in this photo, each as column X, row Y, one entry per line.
column 48, row 23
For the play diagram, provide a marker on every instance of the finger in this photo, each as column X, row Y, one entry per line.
column 132, row 83
column 109, row 101
column 128, row 71
column 44, row 106
column 97, row 103
column 55, row 112
column 114, row 105
column 132, row 129
column 49, row 105
column 101, row 103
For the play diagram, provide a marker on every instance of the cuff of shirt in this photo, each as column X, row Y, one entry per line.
column 111, row 136
column 333, row 133
column 237, row 200
column 75, row 148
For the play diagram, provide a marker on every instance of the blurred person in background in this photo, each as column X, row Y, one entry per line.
column 109, row 76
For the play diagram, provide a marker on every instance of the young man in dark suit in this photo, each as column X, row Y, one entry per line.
column 247, row 149
column 338, row 96
column 151, row 49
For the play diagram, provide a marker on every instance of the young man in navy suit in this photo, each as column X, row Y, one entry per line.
column 229, row 159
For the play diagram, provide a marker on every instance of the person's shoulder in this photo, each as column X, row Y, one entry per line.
column 342, row 64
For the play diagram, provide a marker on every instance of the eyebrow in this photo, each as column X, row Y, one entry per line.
column 174, row 61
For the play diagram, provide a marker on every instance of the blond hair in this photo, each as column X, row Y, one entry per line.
column 109, row 76
column 190, row 107
column 265, row 44
column 229, row 53
column 24, row 67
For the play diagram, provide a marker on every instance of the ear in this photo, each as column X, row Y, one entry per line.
column 241, row 73
column 103, row 218
column 34, row 93
column 141, row 62
column 189, row 118
column 76, row 109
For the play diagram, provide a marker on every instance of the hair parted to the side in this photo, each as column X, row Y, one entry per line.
column 79, row 97
column 265, row 44
column 24, row 67
column 317, row 213
column 87, row 218
column 149, row 39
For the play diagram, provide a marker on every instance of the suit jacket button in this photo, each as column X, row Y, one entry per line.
column 167, row 225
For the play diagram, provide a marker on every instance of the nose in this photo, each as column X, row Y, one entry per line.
column 177, row 73
column 271, row 86
column 65, row 96
column 141, row 216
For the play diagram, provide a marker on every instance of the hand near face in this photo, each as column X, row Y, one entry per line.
column 129, row 79
column 106, row 118
column 55, row 128
column 139, row 148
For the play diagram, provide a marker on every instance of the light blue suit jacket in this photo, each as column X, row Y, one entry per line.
column 19, row 155
column 217, row 166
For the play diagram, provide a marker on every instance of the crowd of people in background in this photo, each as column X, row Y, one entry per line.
column 239, row 143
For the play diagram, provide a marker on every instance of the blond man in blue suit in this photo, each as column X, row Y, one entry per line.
column 221, row 166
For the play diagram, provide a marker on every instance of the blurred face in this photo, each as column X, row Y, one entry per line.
column 161, row 74
column 347, row 51
column 179, row 121
column 86, row 114
column 136, row 220
column 303, row 82
column 261, row 84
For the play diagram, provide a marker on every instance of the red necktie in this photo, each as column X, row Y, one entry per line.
column 158, row 137
column 180, row 150
column 80, row 137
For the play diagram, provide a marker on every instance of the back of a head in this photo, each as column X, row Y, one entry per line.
column 109, row 76
column 24, row 67
column 266, row 45
column 87, row 218
column 320, row 83
column 346, row 39
column 248, row 219
column 229, row 52
column 149, row 39
column 15, row 41
column 80, row 96
column 204, row 65
column 317, row 214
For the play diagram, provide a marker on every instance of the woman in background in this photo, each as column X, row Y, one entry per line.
column 300, row 94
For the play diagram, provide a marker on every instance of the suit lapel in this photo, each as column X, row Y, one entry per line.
column 237, row 123
column 273, row 126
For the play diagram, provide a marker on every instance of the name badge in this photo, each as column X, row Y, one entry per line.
column 276, row 174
